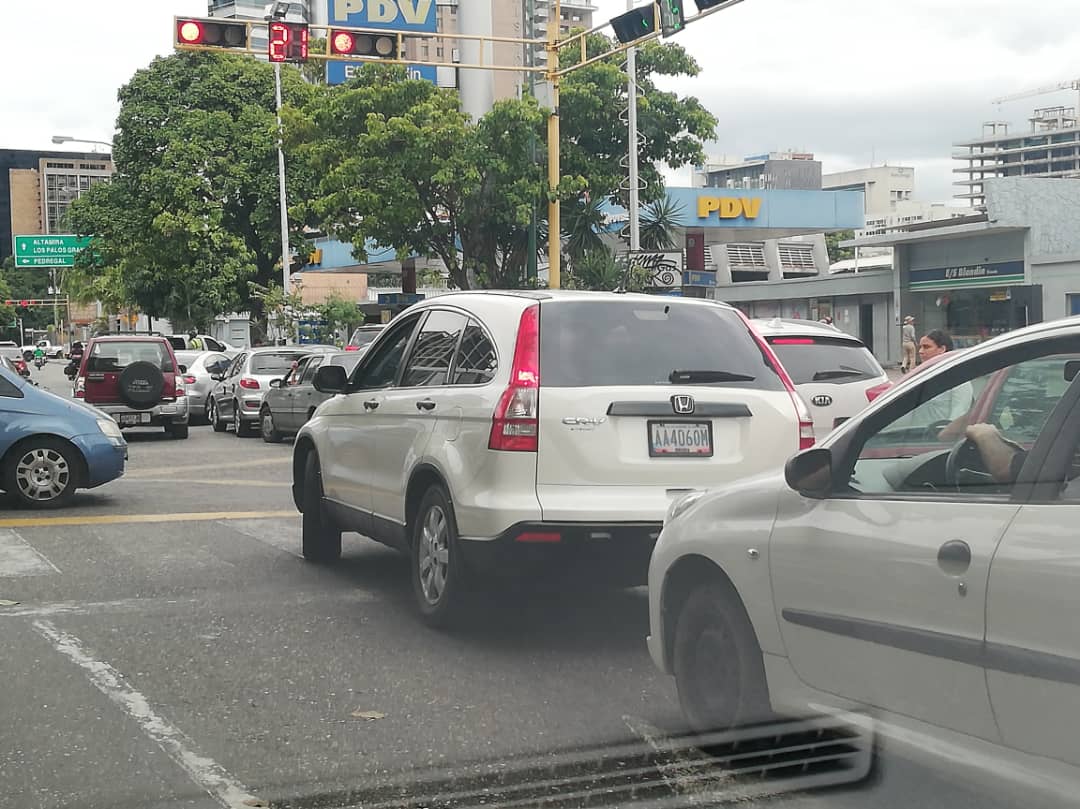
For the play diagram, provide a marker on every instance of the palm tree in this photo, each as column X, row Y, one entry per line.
column 583, row 221
column 659, row 223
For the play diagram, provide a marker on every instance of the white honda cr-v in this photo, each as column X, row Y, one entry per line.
column 493, row 433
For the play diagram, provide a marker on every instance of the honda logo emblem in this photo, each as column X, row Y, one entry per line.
column 682, row 404
column 821, row 400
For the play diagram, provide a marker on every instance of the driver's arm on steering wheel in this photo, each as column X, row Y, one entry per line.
column 1001, row 457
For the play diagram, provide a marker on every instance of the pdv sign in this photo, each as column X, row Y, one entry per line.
column 413, row 16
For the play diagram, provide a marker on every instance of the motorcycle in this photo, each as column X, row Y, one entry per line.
column 39, row 362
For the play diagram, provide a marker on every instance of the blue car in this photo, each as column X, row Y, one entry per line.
column 51, row 446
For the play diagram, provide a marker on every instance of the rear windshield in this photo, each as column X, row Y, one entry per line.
column 272, row 363
column 636, row 342
column 816, row 359
column 115, row 356
column 363, row 337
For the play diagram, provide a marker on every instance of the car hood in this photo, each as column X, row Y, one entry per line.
column 38, row 401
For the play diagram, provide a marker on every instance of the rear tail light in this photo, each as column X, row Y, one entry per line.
column 877, row 390
column 352, row 348
column 515, row 426
column 80, row 387
column 247, row 383
column 189, row 379
column 806, row 420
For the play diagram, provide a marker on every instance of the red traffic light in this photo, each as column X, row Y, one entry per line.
column 346, row 43
column 288, row 42
column 212, row 33
column 24, row 304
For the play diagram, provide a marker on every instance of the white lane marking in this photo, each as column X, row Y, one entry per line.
column 205, row 772
column 18, row 558
column 283, row 534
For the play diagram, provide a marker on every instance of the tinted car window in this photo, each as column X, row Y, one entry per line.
column 824, row 359
column 116, row 356
column 346, row 361
column 639, row 342
column 272, row 363
column 382, row 368
column 215, row 363
column 8, row 389
column 362, row 337
column 434, row 349
column 312, row 366
column 475, row 362
column 1027, row 395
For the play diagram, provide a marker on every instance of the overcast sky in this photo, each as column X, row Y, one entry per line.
column 853, row 81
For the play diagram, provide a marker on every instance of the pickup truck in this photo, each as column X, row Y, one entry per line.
column 51, row 351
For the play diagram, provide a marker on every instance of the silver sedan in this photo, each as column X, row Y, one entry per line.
column 201, row 365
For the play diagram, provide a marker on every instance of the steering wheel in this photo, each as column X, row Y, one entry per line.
column 964, row 465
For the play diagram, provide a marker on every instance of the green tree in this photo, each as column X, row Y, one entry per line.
column 340, row 314
column 672, row 128
column 191, row 214
column 22, row 284
column 832, row 244
column 659, row 223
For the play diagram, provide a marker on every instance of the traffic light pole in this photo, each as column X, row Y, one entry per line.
column 284, row 209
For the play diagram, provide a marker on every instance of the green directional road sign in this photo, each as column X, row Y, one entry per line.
column 53, row 250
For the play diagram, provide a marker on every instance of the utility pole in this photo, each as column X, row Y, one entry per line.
column 281, row 185
column 632, row 141
column 530, row 60
column 554, row 154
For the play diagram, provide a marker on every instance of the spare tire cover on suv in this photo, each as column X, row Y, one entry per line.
column 141, row 384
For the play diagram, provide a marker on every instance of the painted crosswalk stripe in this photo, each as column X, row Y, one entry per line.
column 17, row 558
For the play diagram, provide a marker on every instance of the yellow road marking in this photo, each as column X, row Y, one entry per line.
column 121, row 519
column 273, row 484
column 209, row 466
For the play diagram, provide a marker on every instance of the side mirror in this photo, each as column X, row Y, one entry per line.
column 183, row 368
column 810, row 473
column 330, row 379
column 217, row 377
column 275, row 383
column 1072, row 368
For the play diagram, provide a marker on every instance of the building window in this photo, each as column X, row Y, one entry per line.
column 797, row 256
column 747, row 255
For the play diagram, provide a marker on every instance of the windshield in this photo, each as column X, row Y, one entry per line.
column 815, row 359
column 640, row 342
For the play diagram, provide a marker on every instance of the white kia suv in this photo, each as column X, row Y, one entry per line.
column 487, row 433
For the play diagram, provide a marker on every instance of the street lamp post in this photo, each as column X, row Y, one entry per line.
column 58, row 139
column 278, row 11
column 632, row 142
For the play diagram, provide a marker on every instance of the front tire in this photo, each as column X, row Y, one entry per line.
column 270, row 433
column 214, row 417
column 320, row 539
column 719, row 672
column 41, row 473
column 439, row 577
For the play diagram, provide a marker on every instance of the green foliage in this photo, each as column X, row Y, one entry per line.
column 592, row 103
column 191, row 214
column 340, row 314
column 280, row 310
column 582, row 223
column 20, row 284
column 600, row 269
column 832, row 244
column 659, row 223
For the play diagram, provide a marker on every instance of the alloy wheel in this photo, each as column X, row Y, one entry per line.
column 42, row 474
column 434, row 555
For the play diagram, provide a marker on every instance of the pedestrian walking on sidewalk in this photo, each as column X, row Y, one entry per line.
column 908, row 344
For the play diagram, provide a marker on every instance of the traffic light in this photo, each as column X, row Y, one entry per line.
column 702, row 5
column 288, row 42
column 672, row 17
column 635, row 24
column 211, row 33
column 350, row 43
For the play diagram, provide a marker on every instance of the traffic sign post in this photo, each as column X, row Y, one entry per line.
column 51, row 250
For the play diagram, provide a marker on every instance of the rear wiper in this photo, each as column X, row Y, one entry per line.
column 679, row 376
column 836, row 374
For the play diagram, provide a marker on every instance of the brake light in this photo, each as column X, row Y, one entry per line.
column 352, row 348
column 189, row 379
column 515, row 426
column 80, row 387
column 877, row 390
column 249, row 384
column 792, row 341
column 802, row 412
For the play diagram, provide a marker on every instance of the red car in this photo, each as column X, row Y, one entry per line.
column 137, row 381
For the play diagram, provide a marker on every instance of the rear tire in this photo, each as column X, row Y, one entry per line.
column 439, row 576
column 719, row 672
column 240, row 427
column 269, row 432
column 177, row 430
column 320, row 539
column 214, row 417
column 42, row 473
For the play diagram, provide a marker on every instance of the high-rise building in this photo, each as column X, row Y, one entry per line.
column 1050, row 149
column 773, row 170
column 37, row 188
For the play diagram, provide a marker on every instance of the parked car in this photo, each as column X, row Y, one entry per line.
column 198, row 382
column 492, row 433
column 834, row 372
column 926, row 581
column 238, row 391
column 292, row 401
column 364, row 336
column 181, row 342
column 51, row 446
column 10, row 349
column 137, row 381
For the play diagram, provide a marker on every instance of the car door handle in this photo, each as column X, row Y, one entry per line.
column 425, row 404
column 371, row 404
column 954, row 557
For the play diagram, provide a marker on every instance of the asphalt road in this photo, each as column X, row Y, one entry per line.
column 165, row 645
